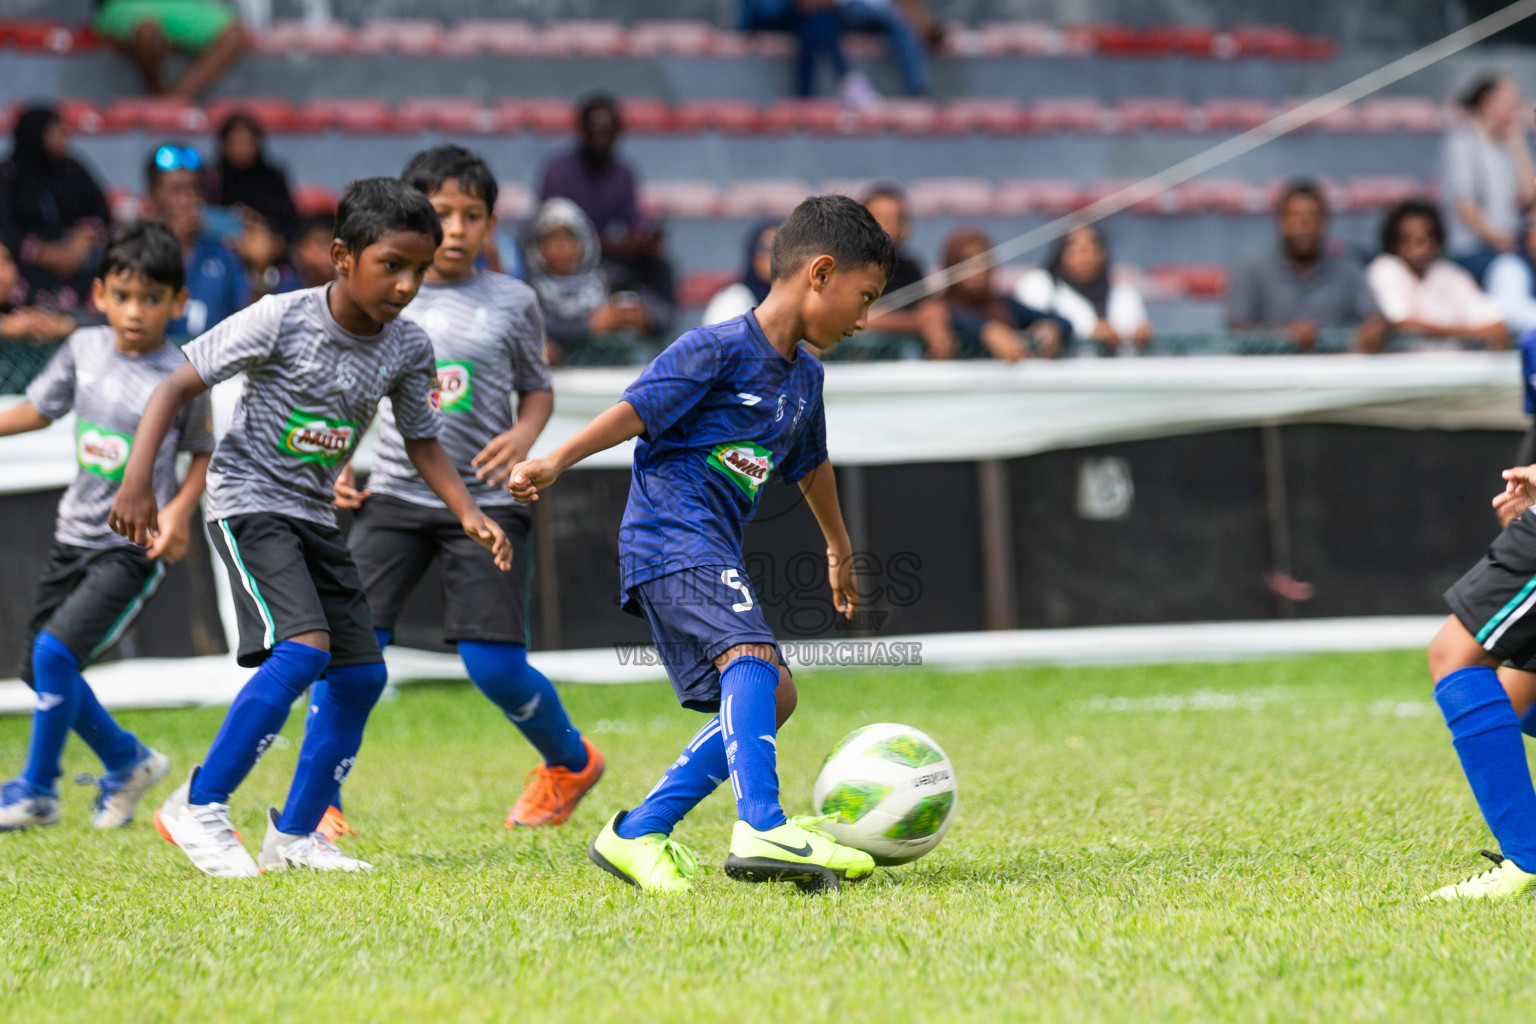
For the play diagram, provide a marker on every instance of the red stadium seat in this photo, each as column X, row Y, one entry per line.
column 1154, row 114
column 854, row 188
column 1372, row 193
column 274, row 115
column 81, row 115
column 678, row 38
column 500, row 38
column 647, row 116
column 584, row 38
column 819, row 116
column 125, row 204
column 1051, row 197
column 1417, row 114
column 445, row 114
column 402, row 36
column 769, row 198
column 736, row 117
column 774, row 45
column 348, row 115
column 701, row 285
column 1193, row 280
column 45, row 36
column 1341, row 122
column 545, row 116
column 303, row 37
column 1219, row 195
column 153, row 114
column 993, row 116
column 313, row 199
column 1163, row 202
column 1191, row 40
column 903, row 116
column 514, row 201
column 1233, row 114
column 1054, row 114
column 693, row 200
column 964, row 197
column 1122, row 40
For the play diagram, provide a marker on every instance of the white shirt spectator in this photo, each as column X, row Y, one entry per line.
column 1473, row 166
column 1125, row 311
column 1513, row 288
column 728, row 303
column 1446, row 296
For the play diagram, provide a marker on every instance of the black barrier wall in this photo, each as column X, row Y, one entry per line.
column 1308, row 521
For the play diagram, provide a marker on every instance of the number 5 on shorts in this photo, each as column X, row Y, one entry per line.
column 732, row 578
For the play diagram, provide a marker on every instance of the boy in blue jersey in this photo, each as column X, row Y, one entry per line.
column 95, row 583
column 716, row 414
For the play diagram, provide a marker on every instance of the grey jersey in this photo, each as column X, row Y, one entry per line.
column 311, row 389
column 107, row 389
column 489, row 339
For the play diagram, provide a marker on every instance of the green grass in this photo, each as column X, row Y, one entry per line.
column 1221, row 842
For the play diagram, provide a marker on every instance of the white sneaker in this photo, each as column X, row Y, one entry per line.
column 280, row 850
column 858, row 92
column 23, row 806
column 119, row 794
column 205, row 834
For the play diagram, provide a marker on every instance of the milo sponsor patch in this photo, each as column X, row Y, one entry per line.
column 315, row 438
column 101, row 451
column 744, row 464
column 455, row 384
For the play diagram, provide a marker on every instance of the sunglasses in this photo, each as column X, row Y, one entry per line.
column 178, row 158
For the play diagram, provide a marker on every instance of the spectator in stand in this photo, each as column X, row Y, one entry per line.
column 1486, row 174
column 309, row 257
column 19, row 320
column 818, row 26
column 216, row 286
column 989, row 324
column 1075, row 285
column 56, row 215
column 1420, row 291
column 1512, row 283
column 752, row 286
column 927, row 319
column 150, row 29
column 257, row 190
column 585, row 317
column 1297, row 288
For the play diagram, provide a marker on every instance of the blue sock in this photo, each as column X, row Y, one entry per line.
column 1488, row 741
column 255, row 719
column 747, row 709
column 331, row 745
column 118, row 748
column 527, row 698
column 57, row 680
column 317, row 697
column 693, row 776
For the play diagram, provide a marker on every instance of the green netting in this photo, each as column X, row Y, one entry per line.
column 20, row 362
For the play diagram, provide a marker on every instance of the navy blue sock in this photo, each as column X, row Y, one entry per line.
column 255, row 719
column 331, row 745
column 747, row 708
column 317, row 697
column 693, row 776
column 527, row 698
column 57, row 680
column 1492, row 751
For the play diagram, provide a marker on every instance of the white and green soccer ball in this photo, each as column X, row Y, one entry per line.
column 891, row 791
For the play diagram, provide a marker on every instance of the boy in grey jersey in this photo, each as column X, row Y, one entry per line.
column 488, row 337
column 316, row 363
column 95, row 583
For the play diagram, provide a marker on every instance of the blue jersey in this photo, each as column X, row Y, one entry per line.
column 723, row 411
column 216, row 289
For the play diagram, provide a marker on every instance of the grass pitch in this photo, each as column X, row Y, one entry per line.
column 1216, row 842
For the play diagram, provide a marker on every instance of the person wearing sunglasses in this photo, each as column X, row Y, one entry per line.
column 216, row 285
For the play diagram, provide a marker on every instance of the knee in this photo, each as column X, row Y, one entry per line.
column 51, row 658
column 786, row 697
column 147, row 36
column 356, row 686
column 1454, row 648
column 235, row 37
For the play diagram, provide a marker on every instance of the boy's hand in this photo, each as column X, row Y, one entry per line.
column 135, row 514
column 484, row 531
column 1519, row 492
column 172, row 540
column 845, row 589
column 347, row 494
column 528, row 478
column 496, row 460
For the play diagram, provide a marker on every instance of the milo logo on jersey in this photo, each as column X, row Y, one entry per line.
column 455, row 381
column 315, row 438
column 102, row 451
column 744, row 463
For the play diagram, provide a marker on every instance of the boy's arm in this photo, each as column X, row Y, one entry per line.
column 22, row 419
column 176, row 518
column 495, row 461
column 432, row 462
column 134, row 513
column 615, row 426
column 820, row 489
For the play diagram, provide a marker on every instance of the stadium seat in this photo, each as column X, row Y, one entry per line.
column 312, row 199
column 304, row 37
column 1051, row 197
column 347, row 115
column 700, row 286
column 545, row 116
column 514, row 201
column 1402, row 114
column 1202, row 280
column 1189, row 40
column 647, row 116
column 46, row 36
column 818, row 116
column 153, row 114
column 686, row 199
column 498, row 38
column 993, row 116
column 905, row 117
column 274, row 115
column 413, row 36
column 1233, row 114
column 445, row 114
column 81, row 115
column 732, row 117
column 964, row 197
column 1161, row 203
column 125, row 204
column 1154, row 114
column 768, row 198
column 583, row 38
column 1122, row 40
column 855, row 188
column 1374, row 193
column 1053, row 114
column 1218, row 195
column 677, row 38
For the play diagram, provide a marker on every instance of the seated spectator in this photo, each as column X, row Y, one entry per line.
column 1297, row 288
column 818, row 25
column 1075, row 286
column 926, row 319
column 309, row 256
column 1486, row 174
column 1511, row 281
column 563, row 262
column 245, row 178
column 1421, row 292
column 216, row 286
column 989, row 324
column 19, row 320
column 752, row 287
column 149, row 29
column 56, row 214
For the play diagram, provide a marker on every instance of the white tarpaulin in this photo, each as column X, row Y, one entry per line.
column 885, row 413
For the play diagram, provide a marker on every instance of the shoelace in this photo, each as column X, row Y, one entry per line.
column 106, row 787
column 1497, row 858
column 687, row 864
column 812, row 824
column 540, row 781
column 214, row 818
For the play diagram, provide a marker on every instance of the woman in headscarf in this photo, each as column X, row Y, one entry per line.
column 56, row 213
column 752, row 287
column 1075, row 285
column 988, row 324
column 258, row 192
column 563, row 260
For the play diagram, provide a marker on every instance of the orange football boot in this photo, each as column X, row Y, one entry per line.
column 333, row 825
column 550, row 795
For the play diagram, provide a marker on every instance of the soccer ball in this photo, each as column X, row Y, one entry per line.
column 892, row 790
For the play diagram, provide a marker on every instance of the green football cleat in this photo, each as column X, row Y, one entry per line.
column 653, row 862
column 800, row 852
column 1503, row 881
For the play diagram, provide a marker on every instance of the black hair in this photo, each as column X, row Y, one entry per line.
column 316, row 222
column 147, row 248
column 153, row 171
column 1307, row 188
column 1411, row 208
column 595, row 102
column 1481, row 86
column 428, row 170
column 835, row 226
column 241, row 119
column 373, row 206
column 886, row 190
